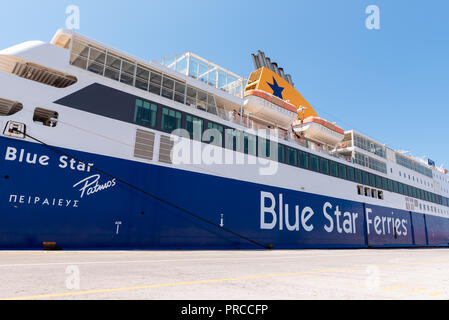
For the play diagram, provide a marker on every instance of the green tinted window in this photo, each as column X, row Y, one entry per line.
column 233, row 140
column 372, row 180
column 250, row 144
column 324, row 166
column 384, row 183
column 171, row 120
column 395, row 186
column 334, row 169
column 314, row 164
column 220, row 129
column 264, row 148
column 390, row 185
column 341, row 171
column 145, row 113
column 304, row 159
column 351, row 175
column 378, row 182
column 292, row 155
column 365, row 178
column 194, row 126
column 358, row 176
column 281, row 153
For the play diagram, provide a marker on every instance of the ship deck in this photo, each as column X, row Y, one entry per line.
column 223, row 275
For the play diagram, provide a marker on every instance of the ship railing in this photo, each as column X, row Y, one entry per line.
column 283, row 135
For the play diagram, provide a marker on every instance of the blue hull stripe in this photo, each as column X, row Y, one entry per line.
column 49, row 201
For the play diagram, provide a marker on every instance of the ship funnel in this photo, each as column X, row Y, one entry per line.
column 259, row 61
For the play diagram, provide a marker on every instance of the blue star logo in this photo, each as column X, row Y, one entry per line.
column 277, row 91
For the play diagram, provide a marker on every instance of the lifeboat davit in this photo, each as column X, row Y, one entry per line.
column 267, row 107
column 320, row 130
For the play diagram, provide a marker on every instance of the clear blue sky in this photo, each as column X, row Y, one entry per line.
column 391, row 84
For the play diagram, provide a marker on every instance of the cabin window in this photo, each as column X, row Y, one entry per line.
column 365, row 178
column 342, row 171
column 358, row 176
column 360, row 190
column 265, row 148
column 303, row 159
column 384, row 183
column 314, row 164
column 191, row 97
column 372, row 180
column 401, row 188
column 145, row 113
column 378, row 182
column 127, row 73
column 155, row 83
column 324, row 166
column 380, row 194
column 195, row 127
column 112, row 69
column 281, row 153
column 47, row 117
column 216, row 134
column 334, row 169
column 292, row 157
column 171, row 120
column 96, row 61
column 250, row 144
column 168, row 87
column 180, row 89
column 233, row 140
column 201, row 102
column 367, row 192
column 142, row 78
column 350, row 171
column 396, row 186
column 415, row 192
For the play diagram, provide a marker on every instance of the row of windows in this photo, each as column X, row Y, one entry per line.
column 167, row 120
column 104, row 63
column 370, row 146
column 412, row 165
column 369, row 162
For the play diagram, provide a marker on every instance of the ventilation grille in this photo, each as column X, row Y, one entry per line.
column 47, row 117
column 8, row 107
column 144, row 145
column 40, row 74
column 165, row 149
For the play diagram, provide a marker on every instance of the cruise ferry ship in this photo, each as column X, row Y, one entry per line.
column 100, row 149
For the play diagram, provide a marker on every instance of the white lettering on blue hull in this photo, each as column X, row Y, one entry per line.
column 277, row 215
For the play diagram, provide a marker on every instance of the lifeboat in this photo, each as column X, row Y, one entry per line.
column 267, row 107
column 319, row 130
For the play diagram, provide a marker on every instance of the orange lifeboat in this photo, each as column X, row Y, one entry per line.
column 320, row 130
column 267, row 107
